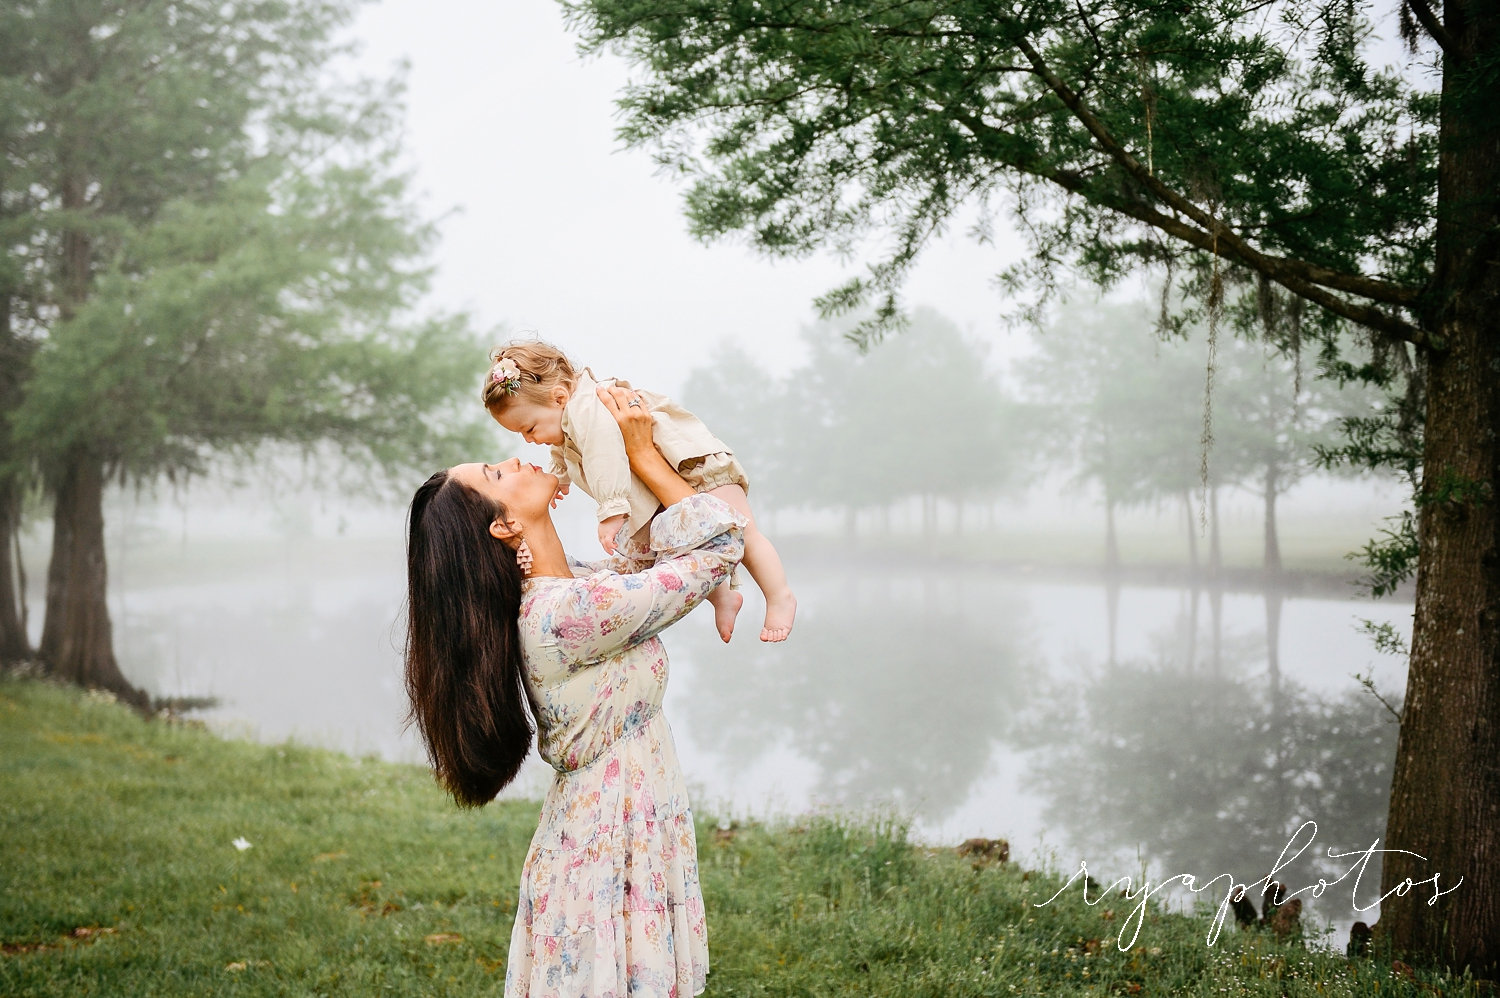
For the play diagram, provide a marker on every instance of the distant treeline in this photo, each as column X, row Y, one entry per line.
column 1117, row 407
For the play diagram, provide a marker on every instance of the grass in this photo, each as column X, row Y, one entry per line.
column 121, row 878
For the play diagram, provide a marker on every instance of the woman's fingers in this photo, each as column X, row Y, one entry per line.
column 635, row 420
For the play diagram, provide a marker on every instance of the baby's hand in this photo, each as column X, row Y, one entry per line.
column 607, row 530
column 562, row 490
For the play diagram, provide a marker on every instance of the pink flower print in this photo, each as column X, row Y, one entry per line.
column 571, row 630
column 612, row 772
column 671, row 582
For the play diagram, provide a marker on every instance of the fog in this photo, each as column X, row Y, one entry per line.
column 979, row 696
column 961, row 662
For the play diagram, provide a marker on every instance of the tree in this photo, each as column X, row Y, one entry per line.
column 843, row 431
column 211, row 249
column 1251, row 144
column 1108, row 400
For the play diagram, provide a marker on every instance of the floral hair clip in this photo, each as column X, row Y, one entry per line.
column 506, row 374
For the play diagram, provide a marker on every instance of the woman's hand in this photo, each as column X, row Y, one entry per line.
column 645, row 460
column 630, row 411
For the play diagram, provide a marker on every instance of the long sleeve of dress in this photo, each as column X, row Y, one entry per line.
column 697, row 541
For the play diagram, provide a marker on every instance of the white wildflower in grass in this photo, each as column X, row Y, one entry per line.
column 241, row 843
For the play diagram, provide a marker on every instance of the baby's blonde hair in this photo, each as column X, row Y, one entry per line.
column 542, row 367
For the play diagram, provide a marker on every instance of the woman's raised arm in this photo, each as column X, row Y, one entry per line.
column 697, row 541
column 645, row 460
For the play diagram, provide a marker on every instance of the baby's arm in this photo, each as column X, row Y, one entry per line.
column 559, row 467
column 601, row 450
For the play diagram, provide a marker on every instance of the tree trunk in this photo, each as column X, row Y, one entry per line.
column 77, row 643
column 1111, row 540
column 1273, row 545
column 14, row 643
column 1192, row 534
column 1445, row 791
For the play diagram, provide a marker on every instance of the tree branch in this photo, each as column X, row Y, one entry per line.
column 1434, row 27
column 1280, row 269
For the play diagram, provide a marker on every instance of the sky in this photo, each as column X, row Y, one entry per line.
column 563, row 233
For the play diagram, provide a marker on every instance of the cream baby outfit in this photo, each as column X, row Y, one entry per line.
column 592, row 455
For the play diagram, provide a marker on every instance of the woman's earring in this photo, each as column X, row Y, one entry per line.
column 523, row 557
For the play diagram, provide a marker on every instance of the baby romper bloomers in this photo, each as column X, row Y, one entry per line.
column 593, row 454
column 610, row 904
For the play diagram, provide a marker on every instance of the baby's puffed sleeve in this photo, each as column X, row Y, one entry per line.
column 601, row 450
column 697, row 541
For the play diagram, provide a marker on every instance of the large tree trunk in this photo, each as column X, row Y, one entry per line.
column 1445, row 791
column 14, row 643
column 77, row 643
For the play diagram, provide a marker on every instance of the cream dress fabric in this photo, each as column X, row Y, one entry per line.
column 592, row 455
column 610, row 904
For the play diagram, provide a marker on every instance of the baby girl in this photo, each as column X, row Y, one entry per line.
column 533, row 390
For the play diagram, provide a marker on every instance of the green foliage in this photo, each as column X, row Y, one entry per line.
column 1390, row 556
column 213, row 245
column 1261, row 131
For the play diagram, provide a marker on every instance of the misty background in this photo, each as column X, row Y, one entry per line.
column 967, row 651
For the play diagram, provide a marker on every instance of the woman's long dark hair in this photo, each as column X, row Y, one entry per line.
column 463, row 641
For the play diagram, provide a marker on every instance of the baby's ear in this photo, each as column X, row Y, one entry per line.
column 560, row 396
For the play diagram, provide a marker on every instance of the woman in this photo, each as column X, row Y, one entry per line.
column 499, row 619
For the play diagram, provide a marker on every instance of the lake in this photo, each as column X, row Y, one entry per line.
column 967, row 700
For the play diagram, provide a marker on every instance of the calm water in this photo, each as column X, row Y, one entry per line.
column 972, row 702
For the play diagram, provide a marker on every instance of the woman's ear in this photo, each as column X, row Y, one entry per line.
column 504, row 530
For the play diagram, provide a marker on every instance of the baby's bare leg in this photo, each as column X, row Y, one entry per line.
column 764, row 566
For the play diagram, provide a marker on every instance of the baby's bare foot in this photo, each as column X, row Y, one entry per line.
column 781, row 609
column 727, row 605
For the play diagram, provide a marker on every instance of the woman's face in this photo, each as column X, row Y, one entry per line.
column 524, row 489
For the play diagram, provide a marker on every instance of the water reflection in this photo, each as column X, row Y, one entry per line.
column 1121, row 724
column 1207, row 772
column 891, row 694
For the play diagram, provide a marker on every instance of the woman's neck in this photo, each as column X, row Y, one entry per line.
column 547, row 555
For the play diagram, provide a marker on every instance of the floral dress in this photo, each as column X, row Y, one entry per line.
column 610, row 904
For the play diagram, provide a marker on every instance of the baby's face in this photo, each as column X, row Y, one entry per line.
column 537, row 424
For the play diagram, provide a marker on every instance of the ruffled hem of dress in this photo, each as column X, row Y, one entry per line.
column 610, row 901
column 690, row 521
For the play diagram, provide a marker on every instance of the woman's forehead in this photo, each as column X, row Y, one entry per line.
column 469, row 473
